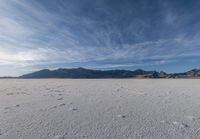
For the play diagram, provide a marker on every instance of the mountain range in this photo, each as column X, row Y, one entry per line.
column 89, row 73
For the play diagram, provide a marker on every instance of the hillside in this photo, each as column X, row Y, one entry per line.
column 89, row 73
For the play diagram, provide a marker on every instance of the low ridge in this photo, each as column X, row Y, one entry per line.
column 89, row 73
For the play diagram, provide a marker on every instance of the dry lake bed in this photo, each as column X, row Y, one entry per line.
column 100, row 109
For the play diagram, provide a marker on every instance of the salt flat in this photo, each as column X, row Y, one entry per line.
column 100, row 109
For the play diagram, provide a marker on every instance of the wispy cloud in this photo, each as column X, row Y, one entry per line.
column 37, row 34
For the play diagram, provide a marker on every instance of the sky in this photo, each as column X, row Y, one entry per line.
column 99, row 34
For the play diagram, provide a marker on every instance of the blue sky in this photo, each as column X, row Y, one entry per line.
column 99, row 34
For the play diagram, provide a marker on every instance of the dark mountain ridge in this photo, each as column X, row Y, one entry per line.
column 89, row 73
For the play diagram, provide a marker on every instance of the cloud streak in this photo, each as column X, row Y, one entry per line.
column 41, row 34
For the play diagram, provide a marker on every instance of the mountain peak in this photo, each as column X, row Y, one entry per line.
column 89, row 73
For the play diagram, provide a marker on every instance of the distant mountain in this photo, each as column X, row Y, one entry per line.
column 195, row 73
column 88, row 73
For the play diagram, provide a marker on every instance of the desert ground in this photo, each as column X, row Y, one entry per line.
column 100, row 109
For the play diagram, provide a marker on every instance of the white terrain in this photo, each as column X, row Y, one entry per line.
column 99, row 109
